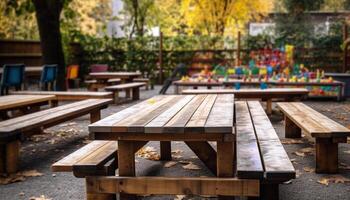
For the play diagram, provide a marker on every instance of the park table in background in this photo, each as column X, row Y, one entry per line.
column 126, row 77
column 24, row 103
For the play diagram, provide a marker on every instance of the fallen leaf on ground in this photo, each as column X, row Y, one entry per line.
column 179, row 197
column 305, row 151
column 149, row 153
column 68, row 124
column 42, row 197
column 309, row 169
column 297, row 173
column 19, row 176
column 170, row 164
column 184, row 162
column 191, row 166
column 291, row 141
column 333, row 179
column 176, row 152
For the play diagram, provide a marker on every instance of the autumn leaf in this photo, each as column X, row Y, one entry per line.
column 42, row 197
column 308, row 169
column 191, row 166
column 299, row 154
column 291, row 141
column 333, row 179
column 305, row 151
column 19, row 176
column 170, row 164
column 179, row 197
column 149, row 153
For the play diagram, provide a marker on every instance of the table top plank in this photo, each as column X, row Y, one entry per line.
column 139, row 125
column 199, row 118
column 156, row 125
column 106, row 124
column 248, row 91
column 15, row 101
column 124, row 124
column 221, row 115
column 178, row 122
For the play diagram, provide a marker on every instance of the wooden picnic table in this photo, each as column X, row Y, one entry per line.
column 196, row 120
column 124, row 76
column 24, row 103
column 195, row 84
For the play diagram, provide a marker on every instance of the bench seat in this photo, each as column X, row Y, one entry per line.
column 135, row 87
column 94, row 85
column 328, row 133
column 260, row 154
column 142, row 80
column 69, row 95
column 13, row 130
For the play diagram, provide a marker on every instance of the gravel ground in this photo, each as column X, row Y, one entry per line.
column 40, row 152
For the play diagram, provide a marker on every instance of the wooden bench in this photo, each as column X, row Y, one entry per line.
column 98, row 158
column 135, row 87
column 327, row 133
column 142, row 80
column 268, row 95
column 260, row 154
column 70, row 95
column 13, row 130
column 94, row 85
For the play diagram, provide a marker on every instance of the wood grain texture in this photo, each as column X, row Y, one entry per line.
column 16, row 101
column 221, row 117
column 173, row 186
column 124, row 86
column 69, row 95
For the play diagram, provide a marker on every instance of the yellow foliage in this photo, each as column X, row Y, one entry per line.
column 221, row 17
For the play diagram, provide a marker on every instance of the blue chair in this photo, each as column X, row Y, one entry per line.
column 12, row 76
column 48, row 77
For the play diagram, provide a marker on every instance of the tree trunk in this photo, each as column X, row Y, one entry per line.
column 48, row 19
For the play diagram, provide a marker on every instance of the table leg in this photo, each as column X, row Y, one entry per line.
column 127, row 93
column 165, row 150
column 205, row 153
column 326, row 156
column 224, row 161
column 126, row 163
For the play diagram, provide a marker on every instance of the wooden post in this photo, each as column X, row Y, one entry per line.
column 95, row 115
column 127, row 92
column 269, row 191
column 224, row 162
column 269, row 106
column 160, row 57
column 126, row 163
column 12, row 156
column 136, row 93
column 165, row 150
column 238, row 47
column 326, row 156
column 291, row 130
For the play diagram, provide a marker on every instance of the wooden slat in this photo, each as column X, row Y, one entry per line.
column 66, row 164
column 69, row 95
column 97, row 158
column 174, row 186
column 139, row 125
column 150, row 111
column 220, row 119
column 124, row 86
column 16, row 101
column 199, row 118
column 156, row 125
column 106, row 124
column 178, row 122
column 249, row 164
column 277, row 165
column 247, row 92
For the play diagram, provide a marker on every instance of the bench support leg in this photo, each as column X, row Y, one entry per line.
column 95, row 116
column 326, row 156
column 135, row 93
column 269, row 192
column 127, row 93
column 269, row 106
column 205, row 153
column 126, row 163
column 224, row 162
column 116, row 97
column 9, row 157
column 291, row 129
column 165, row 150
